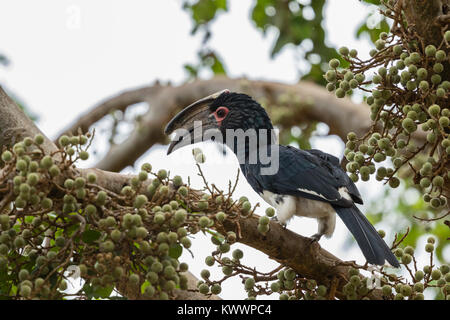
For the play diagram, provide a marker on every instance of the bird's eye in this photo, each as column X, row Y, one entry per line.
column 221, row 113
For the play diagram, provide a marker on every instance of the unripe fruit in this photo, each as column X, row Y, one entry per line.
column 270, row 212
column 447, row 35
column 340, row 93
column 177, row 181
column 25, row 291
column 360, row 77
column 438, row 67
column 264, row 220
column 21, row 165
column 249, row 283
column 436, row 274
column 216, row 288
column 331, row 75
column 434, row 110
column 141, row 232
column 133, row 279
column 183, row 191
column 406, row 290
column 203, row 288
column 116, row 235
column 438, row 181
column 39, row 139
column 397, row 49
column 221, row 216
column 387, row 290
column 224, row 247
column 6, row 156
column 238, row 254
column 444, row 122
column 140, row 201
column 54, row 170
column 204, row 222
column 186, row 242
column 209, row 260
column 19, row 242
column 159, row 218
column 90, row 209
column 430, row 50
column 379, row 44
column 436, row 79
column 23, row 275
column 440, row 55
column 423, row 85
column 246, row 206
column 107, row 246
column 409, row 250
column 406, row 258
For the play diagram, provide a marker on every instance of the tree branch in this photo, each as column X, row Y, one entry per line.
column 15, row 125
column 315, row 104
column 285, row 246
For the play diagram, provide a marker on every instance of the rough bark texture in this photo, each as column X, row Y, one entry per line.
column 305, row 257
column 424, row 17
column 15, row 124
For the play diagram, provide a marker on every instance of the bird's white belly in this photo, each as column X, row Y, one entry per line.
column 287, row 206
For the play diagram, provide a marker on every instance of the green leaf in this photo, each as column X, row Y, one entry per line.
column 89, row 236
column 97, row 292
column 374, row 33
column 144, row 285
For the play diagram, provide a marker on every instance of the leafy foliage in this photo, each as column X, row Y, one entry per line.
column 288, row 18
column 208, row 60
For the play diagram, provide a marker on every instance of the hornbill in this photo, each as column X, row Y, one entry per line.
column 308, row 183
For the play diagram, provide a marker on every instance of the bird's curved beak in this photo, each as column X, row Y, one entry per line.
column 191, row 123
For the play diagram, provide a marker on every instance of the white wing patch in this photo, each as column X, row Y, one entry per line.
column 344, row 193
column 313, row 193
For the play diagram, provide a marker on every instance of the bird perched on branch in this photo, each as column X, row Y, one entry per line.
column 307, row 183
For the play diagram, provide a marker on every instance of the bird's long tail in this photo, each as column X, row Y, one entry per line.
column 373, row 247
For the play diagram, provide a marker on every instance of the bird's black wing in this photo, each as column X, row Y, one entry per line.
column 330, row 159
column 310, row 174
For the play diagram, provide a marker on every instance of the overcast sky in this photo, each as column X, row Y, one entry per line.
column 66, row 56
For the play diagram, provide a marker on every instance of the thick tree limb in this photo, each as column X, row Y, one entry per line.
column 120, row 102
column 315, row 104
column 425, row 17
column 307, row 258
column 15, row 125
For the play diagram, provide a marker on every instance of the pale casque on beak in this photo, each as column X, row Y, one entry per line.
column 195, row 116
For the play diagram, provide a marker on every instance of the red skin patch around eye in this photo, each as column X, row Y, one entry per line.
column 223, row 114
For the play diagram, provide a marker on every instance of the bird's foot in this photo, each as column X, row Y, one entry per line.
column 316, row 237
column 284, row 225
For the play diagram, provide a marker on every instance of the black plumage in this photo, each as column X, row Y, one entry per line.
column 302, row 174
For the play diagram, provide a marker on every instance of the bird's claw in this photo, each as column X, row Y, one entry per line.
column 284, row 225
column 315, row 237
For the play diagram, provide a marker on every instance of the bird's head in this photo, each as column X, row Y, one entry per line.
column 219, row 112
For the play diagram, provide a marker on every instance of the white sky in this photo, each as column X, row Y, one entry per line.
column 69, row 55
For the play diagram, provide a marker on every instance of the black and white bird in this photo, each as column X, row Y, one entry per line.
column 308, row 183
